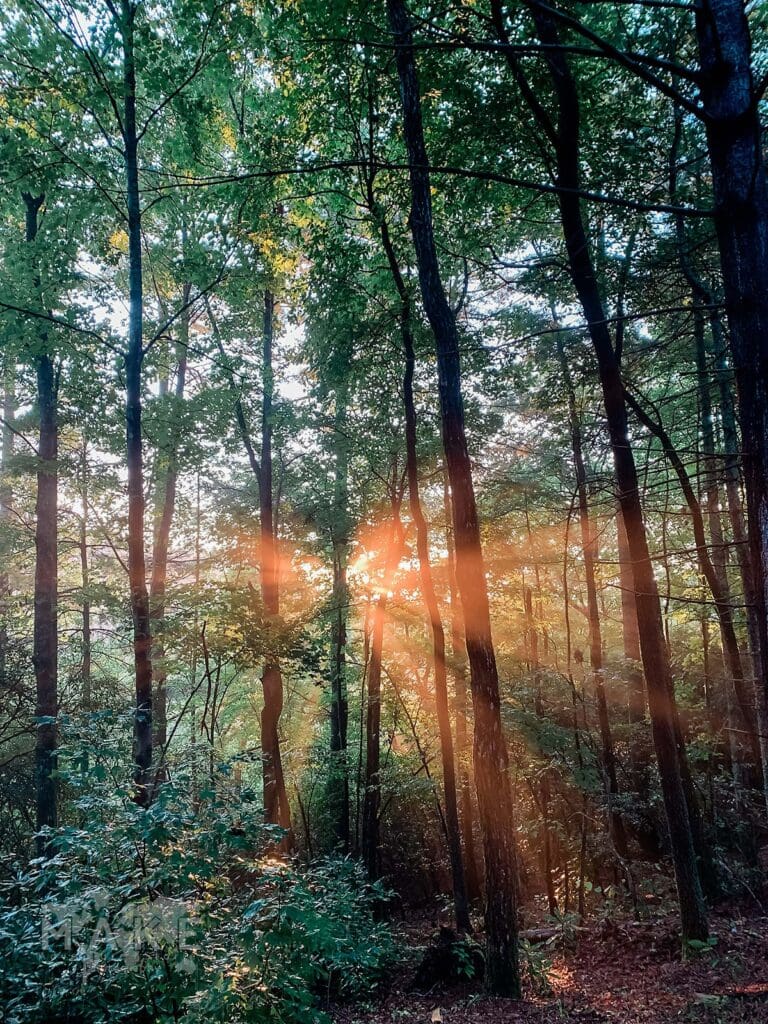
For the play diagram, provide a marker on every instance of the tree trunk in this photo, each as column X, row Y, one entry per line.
column 532, row 641
column 588, row 548
column 134, row 357
column 566, row 141
column 490, row 751
column 85, row 663
column 740, row 185
column 629, row 631
column 276, row 807
column 45, row 630
column 338, row 780
column 710, row 491
column 372, row 784
column 6, row 501
column 164, row 519
column 442, row 707
column 463, row 753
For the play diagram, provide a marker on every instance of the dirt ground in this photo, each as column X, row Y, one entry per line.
column 625, row 973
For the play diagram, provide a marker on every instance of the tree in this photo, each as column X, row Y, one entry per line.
column 490, row 754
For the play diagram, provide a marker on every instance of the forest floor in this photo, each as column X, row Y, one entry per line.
column 617, row 971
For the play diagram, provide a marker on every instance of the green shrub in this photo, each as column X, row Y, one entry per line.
column 180, row 912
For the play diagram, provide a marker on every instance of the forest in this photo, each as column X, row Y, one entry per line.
column 383, row 511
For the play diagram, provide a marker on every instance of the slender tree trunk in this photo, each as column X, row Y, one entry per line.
column 6, row 502
column 629, row 630
column 362, row 726
column 636, row 699
column 565, row 137
column 45, row 630
column 490, row 751
column 338, row 781
column 544, row 784
column 372, row 785
column 276, row 807
column 442, row 706
column 463, row 752
column 164, row 519
column 732, row 478
column 85, row 664
column 588, row 548
column 134, row 357
column 740, row 185
column 461, row 905
column 711, row 494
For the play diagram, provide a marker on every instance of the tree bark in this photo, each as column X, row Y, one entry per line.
column 45, row 629
column 338, row 780
column 6, row 501
column 372, row 782
column 85, row 663
column 442, row 707
column 459, row 669
column 490, row 751
column 740, row 186
column 134, row 357
column 276, row 807
column 164, row 519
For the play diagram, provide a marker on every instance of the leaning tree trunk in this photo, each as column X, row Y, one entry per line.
column 740, row 185
column 134, row 357
column 45, row 629
column 490, row 751
column 566, row 141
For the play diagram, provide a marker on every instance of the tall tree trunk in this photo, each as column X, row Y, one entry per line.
column 565, row 137
column 45, row 638
column 463, row 752
column 276, row 807
column 6, row 501
column 372, row 783
column 532, row 643
column 629, row 631
column 710, row 491
column 490, row 751
column 85, row 663
column 338, row 780
column 134, row 357
column 588, row 548
column 442, row 706
column 740, row 185
column 164, row 519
